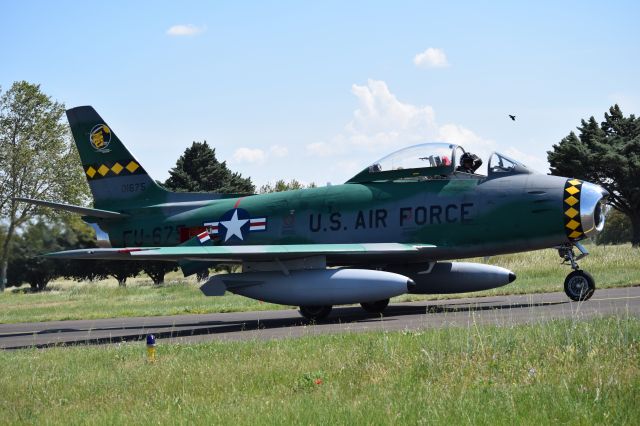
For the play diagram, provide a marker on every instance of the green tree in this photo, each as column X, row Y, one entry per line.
column 198, row 170
column 121, row 270
column 26, row 264
column 79, row 235
column 156, row 269
column 36, row 238
column 37, row 160
column 607, row 154
column 281, row 185
column 617, row 229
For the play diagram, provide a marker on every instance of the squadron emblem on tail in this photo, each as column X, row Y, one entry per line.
column 100, row 138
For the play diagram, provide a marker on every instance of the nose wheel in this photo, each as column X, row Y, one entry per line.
column 579, row 285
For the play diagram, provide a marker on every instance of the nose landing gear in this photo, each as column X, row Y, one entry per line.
column 579, row 285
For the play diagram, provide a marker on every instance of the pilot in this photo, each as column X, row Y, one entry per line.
column 469, row 163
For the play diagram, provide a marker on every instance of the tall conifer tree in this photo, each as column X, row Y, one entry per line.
column 198, row 170
column 608, row 154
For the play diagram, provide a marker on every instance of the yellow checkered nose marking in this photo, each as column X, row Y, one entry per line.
column 571, row 208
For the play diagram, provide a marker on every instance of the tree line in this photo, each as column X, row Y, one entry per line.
column 38, row 159
column 65, row 231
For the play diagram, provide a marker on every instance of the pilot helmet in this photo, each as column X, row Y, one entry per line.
column 466, row 157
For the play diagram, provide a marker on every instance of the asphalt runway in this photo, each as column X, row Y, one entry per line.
column 500, row 310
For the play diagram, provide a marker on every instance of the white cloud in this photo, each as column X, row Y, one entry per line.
column 185, row 30
column 431, row 58
column 382, row 121
column 325, row 149
column 249, row 155
column 259, row 156
column 278, row 151
column 462, row 136
column 381, row 124
column 534, row 162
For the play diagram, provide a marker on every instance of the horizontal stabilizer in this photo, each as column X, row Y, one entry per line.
column 85, row 211
column 99, row 253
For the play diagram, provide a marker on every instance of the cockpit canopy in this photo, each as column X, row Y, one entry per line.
column 432, row 161
column 501, row 164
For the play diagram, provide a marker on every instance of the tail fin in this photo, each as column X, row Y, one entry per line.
column 114, row 175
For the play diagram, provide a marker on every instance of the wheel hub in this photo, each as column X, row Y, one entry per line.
column 577, row 284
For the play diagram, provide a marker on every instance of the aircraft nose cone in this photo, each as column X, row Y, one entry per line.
column 512, row 277
column 592, row 200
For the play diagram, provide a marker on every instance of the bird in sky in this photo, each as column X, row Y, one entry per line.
column 513, row 117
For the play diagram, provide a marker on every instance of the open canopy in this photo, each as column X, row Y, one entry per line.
column 431, row 161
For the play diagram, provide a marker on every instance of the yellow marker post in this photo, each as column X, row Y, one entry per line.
column 151, row 348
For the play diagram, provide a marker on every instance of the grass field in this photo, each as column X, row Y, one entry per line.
column 539, row 271
column 554, row 372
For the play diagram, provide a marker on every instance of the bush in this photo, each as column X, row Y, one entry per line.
column 617, row 229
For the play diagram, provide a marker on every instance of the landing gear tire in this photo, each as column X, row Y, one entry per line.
column 579, row 286
column 315, row 313
column 376, row 307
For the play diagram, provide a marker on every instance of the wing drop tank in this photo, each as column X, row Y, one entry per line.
column 454, row 277
column 311, row 287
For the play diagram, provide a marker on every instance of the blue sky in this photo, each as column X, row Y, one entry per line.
column 318, row 91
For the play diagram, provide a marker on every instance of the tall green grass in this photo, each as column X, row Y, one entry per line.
column 556, row 372
column 538, row 271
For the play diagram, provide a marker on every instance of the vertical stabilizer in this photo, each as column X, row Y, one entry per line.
column 117, row 180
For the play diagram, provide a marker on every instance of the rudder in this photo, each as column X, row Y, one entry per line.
column 114, row 175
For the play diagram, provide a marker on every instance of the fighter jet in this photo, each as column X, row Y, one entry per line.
column 392, row 229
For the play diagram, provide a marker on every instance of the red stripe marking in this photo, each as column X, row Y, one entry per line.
column 258, row 223
column 235, row 206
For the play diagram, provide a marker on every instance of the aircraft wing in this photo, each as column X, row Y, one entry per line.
column 240, row 253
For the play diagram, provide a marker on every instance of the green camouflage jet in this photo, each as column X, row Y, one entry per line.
column 387, row 231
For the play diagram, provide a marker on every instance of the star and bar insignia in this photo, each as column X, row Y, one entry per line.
column 235, row 223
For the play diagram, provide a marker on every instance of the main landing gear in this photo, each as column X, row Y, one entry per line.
column 314, row 313
column 376, row 307
column 579, row 285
